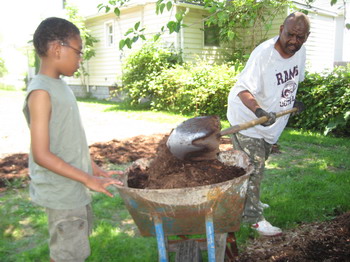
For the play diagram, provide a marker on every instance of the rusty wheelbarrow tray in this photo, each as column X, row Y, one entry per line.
column 211, row 209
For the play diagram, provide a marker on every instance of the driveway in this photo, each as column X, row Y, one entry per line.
column 99, row 127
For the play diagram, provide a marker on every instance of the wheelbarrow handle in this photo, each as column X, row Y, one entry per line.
column 258, row 121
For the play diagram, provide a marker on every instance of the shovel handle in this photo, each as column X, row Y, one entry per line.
column 258, row 121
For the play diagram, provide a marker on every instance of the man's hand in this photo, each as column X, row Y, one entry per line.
column 300, row 105
column 271, row 116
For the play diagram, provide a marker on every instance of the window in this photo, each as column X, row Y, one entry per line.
column 109, row 30
column 211, row 35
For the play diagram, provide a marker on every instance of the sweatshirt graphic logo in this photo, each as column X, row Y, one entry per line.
column 287, row 75
column 288, row 93
column 287, row 79
column 288, row 89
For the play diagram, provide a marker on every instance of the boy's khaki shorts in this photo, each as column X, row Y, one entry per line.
column 69, row 233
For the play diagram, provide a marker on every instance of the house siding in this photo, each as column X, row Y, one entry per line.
column 320, row 47
column 105, row 68
column 193, row 39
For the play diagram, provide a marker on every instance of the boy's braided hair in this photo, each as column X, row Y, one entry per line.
column 53, row 29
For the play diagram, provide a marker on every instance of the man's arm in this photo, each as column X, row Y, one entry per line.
column 249, row 101
column 39, row 104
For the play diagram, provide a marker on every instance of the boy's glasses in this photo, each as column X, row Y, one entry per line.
column 78, row 52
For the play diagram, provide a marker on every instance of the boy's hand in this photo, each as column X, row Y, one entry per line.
column 97, row 171
column 102, row 179
column 100, row 184
column 110, row 173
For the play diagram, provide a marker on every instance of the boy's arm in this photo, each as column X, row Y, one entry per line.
column 100, row 172
column 40, row 111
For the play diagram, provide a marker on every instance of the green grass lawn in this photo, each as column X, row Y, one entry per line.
column 309, row 181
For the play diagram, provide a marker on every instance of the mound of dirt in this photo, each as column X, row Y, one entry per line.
column 13, row 167
column 125, row 151
column 327, row 241
column 166, row 171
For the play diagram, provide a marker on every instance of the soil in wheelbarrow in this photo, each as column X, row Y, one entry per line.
column 14, row 167
column 167, row 172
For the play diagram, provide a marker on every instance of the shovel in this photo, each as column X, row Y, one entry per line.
column 198, row 138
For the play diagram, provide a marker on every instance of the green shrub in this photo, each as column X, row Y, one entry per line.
column 198, row 88
column 327, row 100
column 142, row 66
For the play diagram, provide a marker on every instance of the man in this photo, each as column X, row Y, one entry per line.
column 268, row 84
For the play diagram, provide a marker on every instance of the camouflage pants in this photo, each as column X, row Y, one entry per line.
column 258, row 151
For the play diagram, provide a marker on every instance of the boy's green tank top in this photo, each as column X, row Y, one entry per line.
column 67, row 141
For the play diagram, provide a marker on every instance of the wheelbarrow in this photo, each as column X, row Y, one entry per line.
column 213, row 211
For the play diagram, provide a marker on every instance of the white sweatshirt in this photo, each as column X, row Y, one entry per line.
column 273, row 81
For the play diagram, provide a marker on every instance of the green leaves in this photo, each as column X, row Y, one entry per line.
column 326, row 96
column 135, row 33
column 160, row 6
column 144, row 65
column 113, row 4
column 116, row 11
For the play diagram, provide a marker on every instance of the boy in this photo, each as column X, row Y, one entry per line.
column 61, row 170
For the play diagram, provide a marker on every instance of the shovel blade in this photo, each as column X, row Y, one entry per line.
column 196, row 138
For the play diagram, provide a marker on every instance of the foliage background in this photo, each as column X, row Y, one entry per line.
column 327, row 99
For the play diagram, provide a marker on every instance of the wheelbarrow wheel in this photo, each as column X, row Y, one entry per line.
column 188, row 251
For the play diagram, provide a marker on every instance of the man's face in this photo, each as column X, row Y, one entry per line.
column 292, row 36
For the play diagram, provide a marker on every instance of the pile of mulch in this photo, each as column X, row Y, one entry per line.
column 322, row 241
column 13, row 168
column 166, row 172
column 125, row 151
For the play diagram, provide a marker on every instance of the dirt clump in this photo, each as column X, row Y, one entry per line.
column 165, row 171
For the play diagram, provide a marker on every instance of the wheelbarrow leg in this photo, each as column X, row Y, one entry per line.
column 209, row 226
column 162, row 252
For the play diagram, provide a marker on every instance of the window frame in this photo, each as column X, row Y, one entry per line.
column 213, row 28
column 109, row 36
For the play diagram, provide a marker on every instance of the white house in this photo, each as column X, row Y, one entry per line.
column 327, row 45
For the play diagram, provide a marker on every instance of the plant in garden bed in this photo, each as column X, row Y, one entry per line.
column 144, row 65
column 194, row 88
